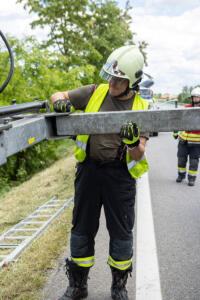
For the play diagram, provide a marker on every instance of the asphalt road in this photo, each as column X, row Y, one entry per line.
column 176, row 215
column 176, row 212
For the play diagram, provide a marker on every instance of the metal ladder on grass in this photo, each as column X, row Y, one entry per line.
column 29, row 229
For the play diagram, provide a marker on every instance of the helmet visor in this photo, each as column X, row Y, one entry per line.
column 110, row 70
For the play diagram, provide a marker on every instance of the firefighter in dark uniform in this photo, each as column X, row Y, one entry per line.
column 107, row 169
column 189, row 146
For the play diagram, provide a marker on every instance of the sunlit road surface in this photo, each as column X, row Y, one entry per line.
column 176, row 214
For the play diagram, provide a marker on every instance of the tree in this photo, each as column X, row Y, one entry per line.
column 142, row 46
column 84, row 31
column 37, row 74
column 183, row 97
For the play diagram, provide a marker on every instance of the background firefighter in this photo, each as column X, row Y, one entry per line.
column 189, row 146
column 107, row 169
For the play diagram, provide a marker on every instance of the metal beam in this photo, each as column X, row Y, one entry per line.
column 21, row 134
column 10, row 110
column 111, row 122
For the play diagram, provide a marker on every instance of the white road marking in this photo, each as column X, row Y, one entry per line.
column 147, row 270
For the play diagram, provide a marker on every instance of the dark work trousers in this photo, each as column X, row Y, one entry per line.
column 111, row 185
column 186, row 150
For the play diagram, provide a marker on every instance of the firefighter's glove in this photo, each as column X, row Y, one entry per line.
column 62, row 105
column 175, row 134
column 130, row 134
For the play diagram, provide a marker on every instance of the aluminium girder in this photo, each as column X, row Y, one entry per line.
column 111, row 122
column 31, row 129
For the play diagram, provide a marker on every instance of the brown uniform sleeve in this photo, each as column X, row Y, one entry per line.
column 80, row 97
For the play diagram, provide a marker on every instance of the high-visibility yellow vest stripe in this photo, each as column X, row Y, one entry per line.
column 81, row 145
column 190, row 137
column 133, row 163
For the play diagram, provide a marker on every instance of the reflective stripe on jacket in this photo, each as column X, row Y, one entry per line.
column 135, row 168
column 192, row 137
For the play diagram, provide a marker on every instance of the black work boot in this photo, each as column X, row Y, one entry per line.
column 118, row 287
column 191, row 180
column 77, row 276
column 180, row 177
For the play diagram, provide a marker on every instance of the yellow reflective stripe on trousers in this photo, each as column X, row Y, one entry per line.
column 121, row 265
column 192, row 173
column 182, row 170
column 84, row 261
column 81, row 145
column 193, row 142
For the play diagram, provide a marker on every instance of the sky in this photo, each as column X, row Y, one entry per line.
column 171, row 29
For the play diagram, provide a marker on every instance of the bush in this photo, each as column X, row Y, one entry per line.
column 24, row 164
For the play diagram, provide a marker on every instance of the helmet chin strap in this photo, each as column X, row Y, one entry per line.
column 125, row 93
column 193, row 103
column 135, row 87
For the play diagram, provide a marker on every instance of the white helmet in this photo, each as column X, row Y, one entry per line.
column 195, row 92
column 125, row 62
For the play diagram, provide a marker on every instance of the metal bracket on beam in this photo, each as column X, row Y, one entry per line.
column 5, row 127
column 22, row 134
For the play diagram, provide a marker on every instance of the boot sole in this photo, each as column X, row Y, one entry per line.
column 82, row 296
column 78, row 297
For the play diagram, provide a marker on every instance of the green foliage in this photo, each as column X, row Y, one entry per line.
column 37, row 73
column 24, row 164
column 84, row 31
column 184, row 96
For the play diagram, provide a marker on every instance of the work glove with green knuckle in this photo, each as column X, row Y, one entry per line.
column 175, row 134
column 62, row 105
column 130, row 134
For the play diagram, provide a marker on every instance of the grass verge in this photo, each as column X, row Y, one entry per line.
column 25, row 278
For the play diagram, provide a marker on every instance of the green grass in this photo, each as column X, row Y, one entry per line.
column 25, row 278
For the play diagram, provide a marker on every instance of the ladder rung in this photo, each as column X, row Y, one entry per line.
column 52, row 205
column 8, row 246
column 57, row 201
column 29, row 223
column 25, row 229
column 43, row 210
column 16, row 237
column 38, row 216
